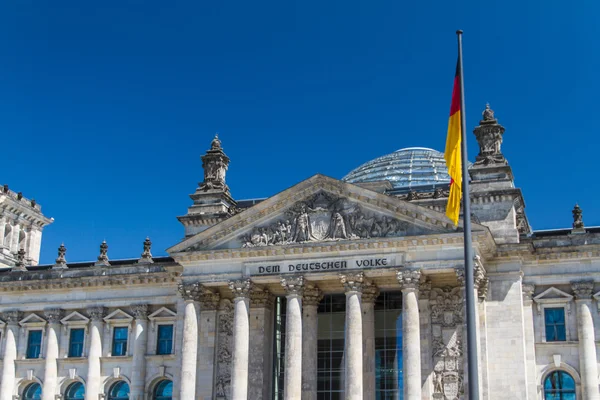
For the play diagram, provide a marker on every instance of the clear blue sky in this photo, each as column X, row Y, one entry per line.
column 106, row 107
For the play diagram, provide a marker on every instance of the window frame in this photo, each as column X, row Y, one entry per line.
column 113, row 338
column 158, row 326
column 564, row 313
column 70, row 341
column 74, row 320
column 32, row 322
column 575, row 391
column 28, row 343
column 162, row 316
column 117, row 319
column 559, row 299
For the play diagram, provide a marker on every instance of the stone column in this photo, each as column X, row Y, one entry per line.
column 93, row 385
column 51, row 367
column 189, row 349
column 411, row 335
column 310, row 303
column 353, row 346
column 241, row 339
column 294, row 289
column 369, row 295
column 209, row 302
column 588, row 366
column 16, row 232
column 140, row 341
column 2, row 225
column 532, row 380
column 7, row 385
column 260, row 365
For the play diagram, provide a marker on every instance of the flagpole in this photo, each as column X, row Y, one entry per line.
column 469, row 272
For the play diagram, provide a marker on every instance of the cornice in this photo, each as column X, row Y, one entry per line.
column 486, row 243
column 90, row 281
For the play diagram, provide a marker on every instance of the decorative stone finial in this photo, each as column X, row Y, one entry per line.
column 103, row 257
column 5, row 188
column 578, row 218
column 489, row 136
column 216, row 143
column 488, row 114
column 215, row 164
column 20, row 263
column 146, row 255
column 19, row 195
column 61, row 261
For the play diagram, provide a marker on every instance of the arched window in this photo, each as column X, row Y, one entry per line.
column 163, row 391
column 559, row 386
column 33, row 392
column 75, row 391
column 119, row 391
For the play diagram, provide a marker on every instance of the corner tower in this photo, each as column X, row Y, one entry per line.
column 21, row 225
column 212, row 200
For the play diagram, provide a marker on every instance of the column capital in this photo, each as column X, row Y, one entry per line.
column 409, row 279
column 370, row 292
column 140, row 311
column 96, row 313
column 189, row 291
column 240, row 288
column 293, row 285
column 208, row 299
column 583, row 289
column 53, row 315
column 12, row 317
column 312, row 295
column 528, row 290
column 353, row 281
column 260, row 298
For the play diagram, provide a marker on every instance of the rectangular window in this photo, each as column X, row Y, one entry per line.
column 34, row 344
column 555, row 324
column 165, row 339
column 76, row 343
column 119, row 347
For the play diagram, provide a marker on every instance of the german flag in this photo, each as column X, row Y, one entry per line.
column 452, row 153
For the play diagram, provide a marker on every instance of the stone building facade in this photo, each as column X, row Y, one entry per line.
column 331, row 289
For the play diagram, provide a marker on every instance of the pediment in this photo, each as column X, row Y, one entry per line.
column 32, row 319
column 317, row 210
column 75, row 318
column 162, row 313
column 553, row 295
column 118, row 316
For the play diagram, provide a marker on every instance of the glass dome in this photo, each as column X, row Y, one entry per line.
column 405, row 169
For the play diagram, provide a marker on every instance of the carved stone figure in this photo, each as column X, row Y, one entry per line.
column 577, row 217
column 489, row 136
column 224, row 351
column 302, row 233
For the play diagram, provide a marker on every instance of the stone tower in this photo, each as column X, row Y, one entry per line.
column 495, row 201
column 21, row 225
column 212, row 201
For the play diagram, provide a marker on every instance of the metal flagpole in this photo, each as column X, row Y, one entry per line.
column 469, row 272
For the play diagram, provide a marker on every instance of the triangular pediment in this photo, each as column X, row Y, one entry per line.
column 118, row 316
column 162, row 312
column 553, row 294
column 32, row 319
column 75, row 318
column 317, row 210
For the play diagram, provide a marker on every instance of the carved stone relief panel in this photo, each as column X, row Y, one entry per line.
column 224, row 351
column 446, row 324
column 325, row 217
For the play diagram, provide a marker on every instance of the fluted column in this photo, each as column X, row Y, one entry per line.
column 241, row 339
column 94, row 377
column 7, row 386
column 369, row 295
column 292, row 386
column 140, row 341
column 51, row 368
column 189, row 350
column 310, row 303
column 587, row 343
column 353, row 381
column 411, row 336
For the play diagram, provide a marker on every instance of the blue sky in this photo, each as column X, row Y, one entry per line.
column 106, row 107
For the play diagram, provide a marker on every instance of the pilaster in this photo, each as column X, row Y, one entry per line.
column 261, row 344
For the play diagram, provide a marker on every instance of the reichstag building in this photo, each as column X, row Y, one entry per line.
column 347, row 288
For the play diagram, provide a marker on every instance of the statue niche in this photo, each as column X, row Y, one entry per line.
column 324, row 217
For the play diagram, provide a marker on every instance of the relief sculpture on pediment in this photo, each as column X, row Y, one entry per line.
column 324, row 217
